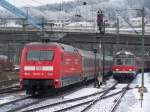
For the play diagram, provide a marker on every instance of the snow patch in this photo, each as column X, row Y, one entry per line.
column 83, row 92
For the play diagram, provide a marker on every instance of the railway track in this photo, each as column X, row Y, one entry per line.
column 20, row 103
column 11, row 89
column 79, row 99
column 88, row 104
column 85, row 101
column 24, row 102
column 8, row 82
column 98, row 99
column 14, row 101
column 118, row 99
column 9, row 86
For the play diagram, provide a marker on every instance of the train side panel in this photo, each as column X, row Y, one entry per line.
column 71, row 68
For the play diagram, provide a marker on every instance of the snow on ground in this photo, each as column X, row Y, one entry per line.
column 83, row 92
column 103, row 105
column 11, row 97
column 6, row 99
column 145, row 104
column 90, row 90
column 121, row 86
column 127, row 102
column 131, row 102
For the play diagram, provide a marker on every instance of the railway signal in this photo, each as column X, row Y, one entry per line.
column 96, row 82
column 100, row 21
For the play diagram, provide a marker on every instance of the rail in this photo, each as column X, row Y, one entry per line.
column 11, row 89
column 118, row 99
column 74, row 100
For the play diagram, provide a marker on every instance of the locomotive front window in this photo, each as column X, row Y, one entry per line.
column 33, row 55
column 46, row 55
column 119, row 62
column 129, row 61
column 40, row 55
column 124, row 61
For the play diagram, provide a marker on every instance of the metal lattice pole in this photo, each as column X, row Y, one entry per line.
column 143, row 47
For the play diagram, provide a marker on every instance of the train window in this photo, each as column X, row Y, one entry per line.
column 40, row 55
column 119, row 62
column 129, row 61
column 68, row 48
column 46, row 55
column 76, row 50
column 33, row 55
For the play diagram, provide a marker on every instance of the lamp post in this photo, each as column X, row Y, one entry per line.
column 142, row 89
column 95, row 74
column 143, row 48
column 117, row 30
column 103, row 50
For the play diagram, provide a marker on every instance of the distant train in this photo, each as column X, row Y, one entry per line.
column 126, row 65
column 55, row 65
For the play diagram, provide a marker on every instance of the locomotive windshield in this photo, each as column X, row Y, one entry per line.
column 40, row 55
column 119, row 62
column 124, row 61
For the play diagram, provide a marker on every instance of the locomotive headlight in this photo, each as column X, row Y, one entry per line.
column 117, row 69
column 130, row 69
column 49, row 73
column 26, row 73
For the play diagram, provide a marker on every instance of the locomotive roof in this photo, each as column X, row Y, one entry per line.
column 63, row 46
column 124, row 53
column 85, row 53
column 40, row 43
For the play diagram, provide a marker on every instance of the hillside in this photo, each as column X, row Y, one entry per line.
column 85, row 9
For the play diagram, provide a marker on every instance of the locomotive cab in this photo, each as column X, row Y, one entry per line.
column 124, row 65
column 37, row 67
column 48, row 66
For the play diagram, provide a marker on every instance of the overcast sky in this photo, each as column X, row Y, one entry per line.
column 29, row 3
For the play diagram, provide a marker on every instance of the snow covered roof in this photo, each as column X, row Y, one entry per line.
column 124, row 53
column 80, row 24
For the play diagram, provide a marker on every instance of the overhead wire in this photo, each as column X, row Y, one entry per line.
column 39, row 2
column 32, row 7
column 127, row 22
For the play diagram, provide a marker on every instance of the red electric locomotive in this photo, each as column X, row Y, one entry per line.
column 55, row 65
column 126, row 65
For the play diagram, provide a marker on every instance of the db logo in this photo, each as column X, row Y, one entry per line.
column 38, row 68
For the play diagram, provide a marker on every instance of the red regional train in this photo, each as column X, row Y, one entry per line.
column 55, row 65
column 126, row 65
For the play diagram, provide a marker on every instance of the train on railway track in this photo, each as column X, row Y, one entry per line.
column 126, row 65
column 55, row 65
